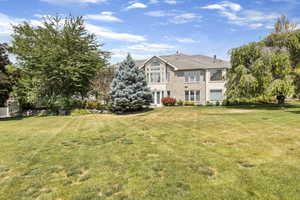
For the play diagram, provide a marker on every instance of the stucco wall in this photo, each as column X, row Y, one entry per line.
column 177, row 85
column 214, row 85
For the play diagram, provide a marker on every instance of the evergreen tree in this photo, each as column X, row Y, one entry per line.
column 129, row 91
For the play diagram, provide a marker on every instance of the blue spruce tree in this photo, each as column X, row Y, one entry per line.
column 129, row 91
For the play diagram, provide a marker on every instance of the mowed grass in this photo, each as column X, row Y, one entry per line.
column 177, row 153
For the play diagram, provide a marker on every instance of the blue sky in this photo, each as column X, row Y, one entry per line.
column 158, row 27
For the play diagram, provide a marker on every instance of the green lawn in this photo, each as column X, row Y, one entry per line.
column 178, row 153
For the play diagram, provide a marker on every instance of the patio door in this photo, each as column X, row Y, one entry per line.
column 158, row 97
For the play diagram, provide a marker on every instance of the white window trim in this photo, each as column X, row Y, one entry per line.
column 222, row 91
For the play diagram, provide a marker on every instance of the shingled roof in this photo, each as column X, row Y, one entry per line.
column 190, row 62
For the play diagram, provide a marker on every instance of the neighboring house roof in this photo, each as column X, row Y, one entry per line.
column 189, row 62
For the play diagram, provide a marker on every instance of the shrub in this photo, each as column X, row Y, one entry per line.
column 180, row 103
column 218, row 103
column 208, row 103
column 168, row 101
column 189, row 103
column 77, row 112
column 44, row 113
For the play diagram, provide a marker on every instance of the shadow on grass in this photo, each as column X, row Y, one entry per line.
column 264, row 106
column 295, row 112
column 11, row 119
column 144, row 111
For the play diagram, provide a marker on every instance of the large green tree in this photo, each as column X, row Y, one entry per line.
column 5, row 82
column 266, row 69
column 58, row 60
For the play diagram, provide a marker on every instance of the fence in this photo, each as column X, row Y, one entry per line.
column 4, row 112
column 12, row 110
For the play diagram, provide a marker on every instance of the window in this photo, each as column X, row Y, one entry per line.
column 216, row 75
column 187, row 95
column 216, row 95
column 192, row 95
column 157, row 97
column 168, row 93
column 168, row 76
column 192, row 76
column 153, row 94
column 162, row 94
column 198, row 95
column 155, row 77
column 155, row 63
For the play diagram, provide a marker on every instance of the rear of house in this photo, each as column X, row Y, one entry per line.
column 194, row 78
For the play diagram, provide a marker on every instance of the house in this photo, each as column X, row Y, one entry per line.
column 195, row 78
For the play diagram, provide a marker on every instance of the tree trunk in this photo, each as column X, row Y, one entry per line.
column 280, row 99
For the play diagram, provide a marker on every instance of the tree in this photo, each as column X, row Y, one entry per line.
column 5, row 82
column 282, row 83
column 257, row 72
column 101, row 83
column 129, row 91
column 58, row 59
column 283, row 25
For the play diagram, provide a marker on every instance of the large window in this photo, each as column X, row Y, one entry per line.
column 216, row 95
column 192, row 95
column 216, row 75
column 155, row 77
column 191, row 76
column 155, row 73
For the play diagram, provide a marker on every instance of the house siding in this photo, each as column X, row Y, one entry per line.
column 177, row 85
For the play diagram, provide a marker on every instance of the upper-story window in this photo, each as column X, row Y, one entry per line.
column 192, row 76
column 155, row 63
column 155, row 75
column 216, row 75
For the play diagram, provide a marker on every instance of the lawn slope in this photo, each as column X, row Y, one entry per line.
column 166, row 154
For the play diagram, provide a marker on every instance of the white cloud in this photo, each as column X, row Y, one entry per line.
column 186, row 40
column 151, row 47
column 107, row 33
column 171, row 2
column 141, row 51
column 74, row 1
column 237, row 15
column 184, row 18
column 105, row 16
column 153, row 1
column 136, row 5
column 224, row 6
column 157, row 13
column 6, row 23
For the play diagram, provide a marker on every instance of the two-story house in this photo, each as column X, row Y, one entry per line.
column 195, row 78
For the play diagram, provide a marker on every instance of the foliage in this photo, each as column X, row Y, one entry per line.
column 45, row 113
column 129, row 91
column 189, row 103
column 180, row 103
column 256, row 72
column 168, row 101
column 101, row 83
column 58, row 60
column 77, row 112
column 5, row 82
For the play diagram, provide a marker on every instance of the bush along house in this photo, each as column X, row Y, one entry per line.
column 189, row 78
